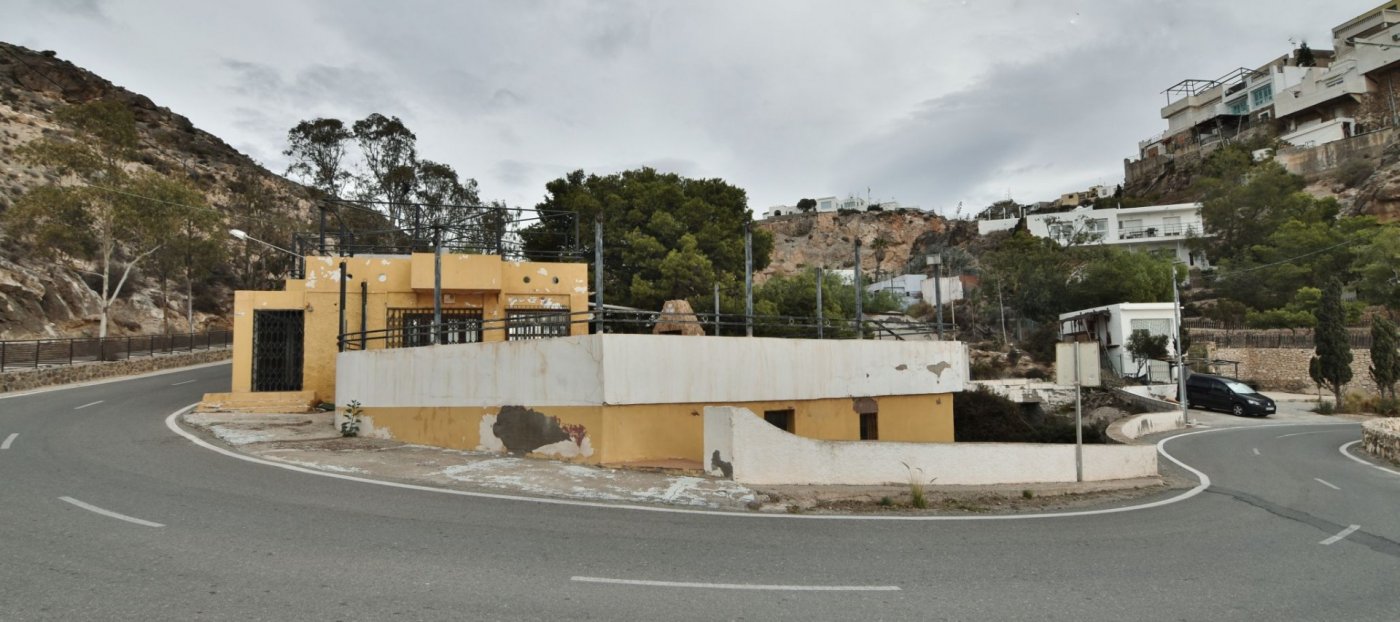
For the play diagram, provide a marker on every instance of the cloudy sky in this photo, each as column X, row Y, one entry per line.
column 931, row 103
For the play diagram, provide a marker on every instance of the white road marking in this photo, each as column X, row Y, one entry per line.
column 1302, row 433
column 9, row 440
column 109, row 513
column 1256, row 451
column 185, row 382
column 742, row 586
column 1340, row 535
column 89, row 404
column 1326, row 483
column 1344, row 451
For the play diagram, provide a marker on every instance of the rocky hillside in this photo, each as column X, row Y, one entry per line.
column 48, row 298
column 827, row 240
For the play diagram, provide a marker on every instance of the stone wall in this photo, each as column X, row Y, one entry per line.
column 1286, row 369
column 1314, row 162
column 25, row 379
column 1381, row 438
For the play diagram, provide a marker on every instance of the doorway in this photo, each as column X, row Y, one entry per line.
column 278, row 338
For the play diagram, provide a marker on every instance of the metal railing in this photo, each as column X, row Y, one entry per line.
column 1159, row 231
column 36, row 353
column 539, row 325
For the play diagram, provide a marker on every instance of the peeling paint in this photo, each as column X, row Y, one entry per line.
column 489, row 440
column 901, row 367
column 543, row 272
column 383, row 278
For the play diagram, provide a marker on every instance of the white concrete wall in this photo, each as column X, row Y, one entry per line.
column 1319, row 133
column 591, row 370
column 754, row 452
column 1138, row 426
column 952, row 287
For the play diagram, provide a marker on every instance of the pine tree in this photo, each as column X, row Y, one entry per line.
column 1305, row 56
column 1331, row 367
column 1385, row 364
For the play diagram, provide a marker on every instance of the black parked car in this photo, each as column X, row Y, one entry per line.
column 1216, row 393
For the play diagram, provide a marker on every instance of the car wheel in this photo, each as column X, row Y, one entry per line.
column 1238, row 409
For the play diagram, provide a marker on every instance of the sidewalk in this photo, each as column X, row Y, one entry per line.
column 311, row 441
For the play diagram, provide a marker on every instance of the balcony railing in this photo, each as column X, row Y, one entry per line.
column 1159, row 231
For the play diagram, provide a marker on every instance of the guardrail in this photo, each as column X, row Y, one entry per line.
column 546, row 323
column 35, row 353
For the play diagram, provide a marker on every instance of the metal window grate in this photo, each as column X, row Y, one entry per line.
column 536, row 323
column 411, row 328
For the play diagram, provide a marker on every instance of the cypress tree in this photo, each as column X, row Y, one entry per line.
column 1331, row 367
column 1385, row 364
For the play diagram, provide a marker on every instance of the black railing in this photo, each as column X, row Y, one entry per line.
column 539, row 324
column 35, row 353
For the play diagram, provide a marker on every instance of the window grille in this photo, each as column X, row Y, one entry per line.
column 411, row 328
column 536, row 323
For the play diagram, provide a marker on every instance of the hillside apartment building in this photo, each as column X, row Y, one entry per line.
column 1157, row 228
column 1347, row 92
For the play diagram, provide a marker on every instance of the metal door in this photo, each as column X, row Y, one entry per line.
column 278, row 338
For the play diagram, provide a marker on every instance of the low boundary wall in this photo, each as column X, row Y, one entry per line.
column 1381, row 438
column 1128, row 429
column 24, row 380
column 742, row 446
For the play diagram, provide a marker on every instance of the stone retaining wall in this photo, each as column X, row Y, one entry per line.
column 1381, row 438
column 25, row 379
column 1286, row 369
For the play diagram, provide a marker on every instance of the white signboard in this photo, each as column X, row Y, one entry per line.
column 1088, row 363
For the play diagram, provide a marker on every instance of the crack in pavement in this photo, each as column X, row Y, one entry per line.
column 1374, row 542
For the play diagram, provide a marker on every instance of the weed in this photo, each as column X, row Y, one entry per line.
column 1027, row 494
column 886, row 502
column 351, row 425
column 916, row 487
column 1324, row 407
column 793, row 508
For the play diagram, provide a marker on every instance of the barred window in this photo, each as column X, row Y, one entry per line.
column 411, row 328
column 536, row 323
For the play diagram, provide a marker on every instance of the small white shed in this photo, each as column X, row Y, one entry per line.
column 1114, row 324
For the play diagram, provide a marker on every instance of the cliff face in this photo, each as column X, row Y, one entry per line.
column 827, row 240
column 41, row 297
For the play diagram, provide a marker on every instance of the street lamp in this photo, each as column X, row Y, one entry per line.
column 242, row 235
column 936, row 260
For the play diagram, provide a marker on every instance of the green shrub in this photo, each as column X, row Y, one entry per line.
column 1353, row 173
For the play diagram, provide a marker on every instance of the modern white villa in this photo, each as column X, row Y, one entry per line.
column 1154, row 228
column 1113, row 325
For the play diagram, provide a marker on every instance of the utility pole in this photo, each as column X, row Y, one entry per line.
column 1180, row 355
column 860, row 311
column 748, row 279
column 717, row 309
column 340, row 335
column 598, row 273
column 1078, row 419
column 821, row 321
column 437, row 283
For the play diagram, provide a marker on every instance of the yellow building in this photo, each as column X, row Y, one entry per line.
column 285, row 342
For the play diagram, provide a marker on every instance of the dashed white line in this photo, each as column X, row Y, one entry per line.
column 742, row 586
column 89, row 404
column 109, row 513
column 1256, row 451
column 9, row 440
column 1346, row 446
column 1340, row 535
column 176, row 384
column 1326, row 483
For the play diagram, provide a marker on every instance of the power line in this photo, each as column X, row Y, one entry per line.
column 44, row 74
column 1281, row 261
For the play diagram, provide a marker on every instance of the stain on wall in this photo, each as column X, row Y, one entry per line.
column 724, row 467
column 938, row 368
column 522, row 430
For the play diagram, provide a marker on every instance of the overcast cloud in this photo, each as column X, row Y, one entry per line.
column 931, row 103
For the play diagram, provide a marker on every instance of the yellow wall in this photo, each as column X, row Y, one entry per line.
column 655, row 432
column 469, row 282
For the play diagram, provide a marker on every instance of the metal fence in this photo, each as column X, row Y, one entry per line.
column 538, row 323
column 35, row 353
column 1359, row 338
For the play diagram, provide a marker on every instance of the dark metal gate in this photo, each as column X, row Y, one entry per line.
column 278, row 338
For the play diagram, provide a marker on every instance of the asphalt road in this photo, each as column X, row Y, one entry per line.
column 244, row 541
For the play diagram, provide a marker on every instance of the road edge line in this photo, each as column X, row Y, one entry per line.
column 1344, row 452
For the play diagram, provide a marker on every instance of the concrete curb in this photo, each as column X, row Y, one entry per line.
column 1128, row 430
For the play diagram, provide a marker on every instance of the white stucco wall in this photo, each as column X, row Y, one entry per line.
column 1137, row 426
column 756, row 453
column 592, row 370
